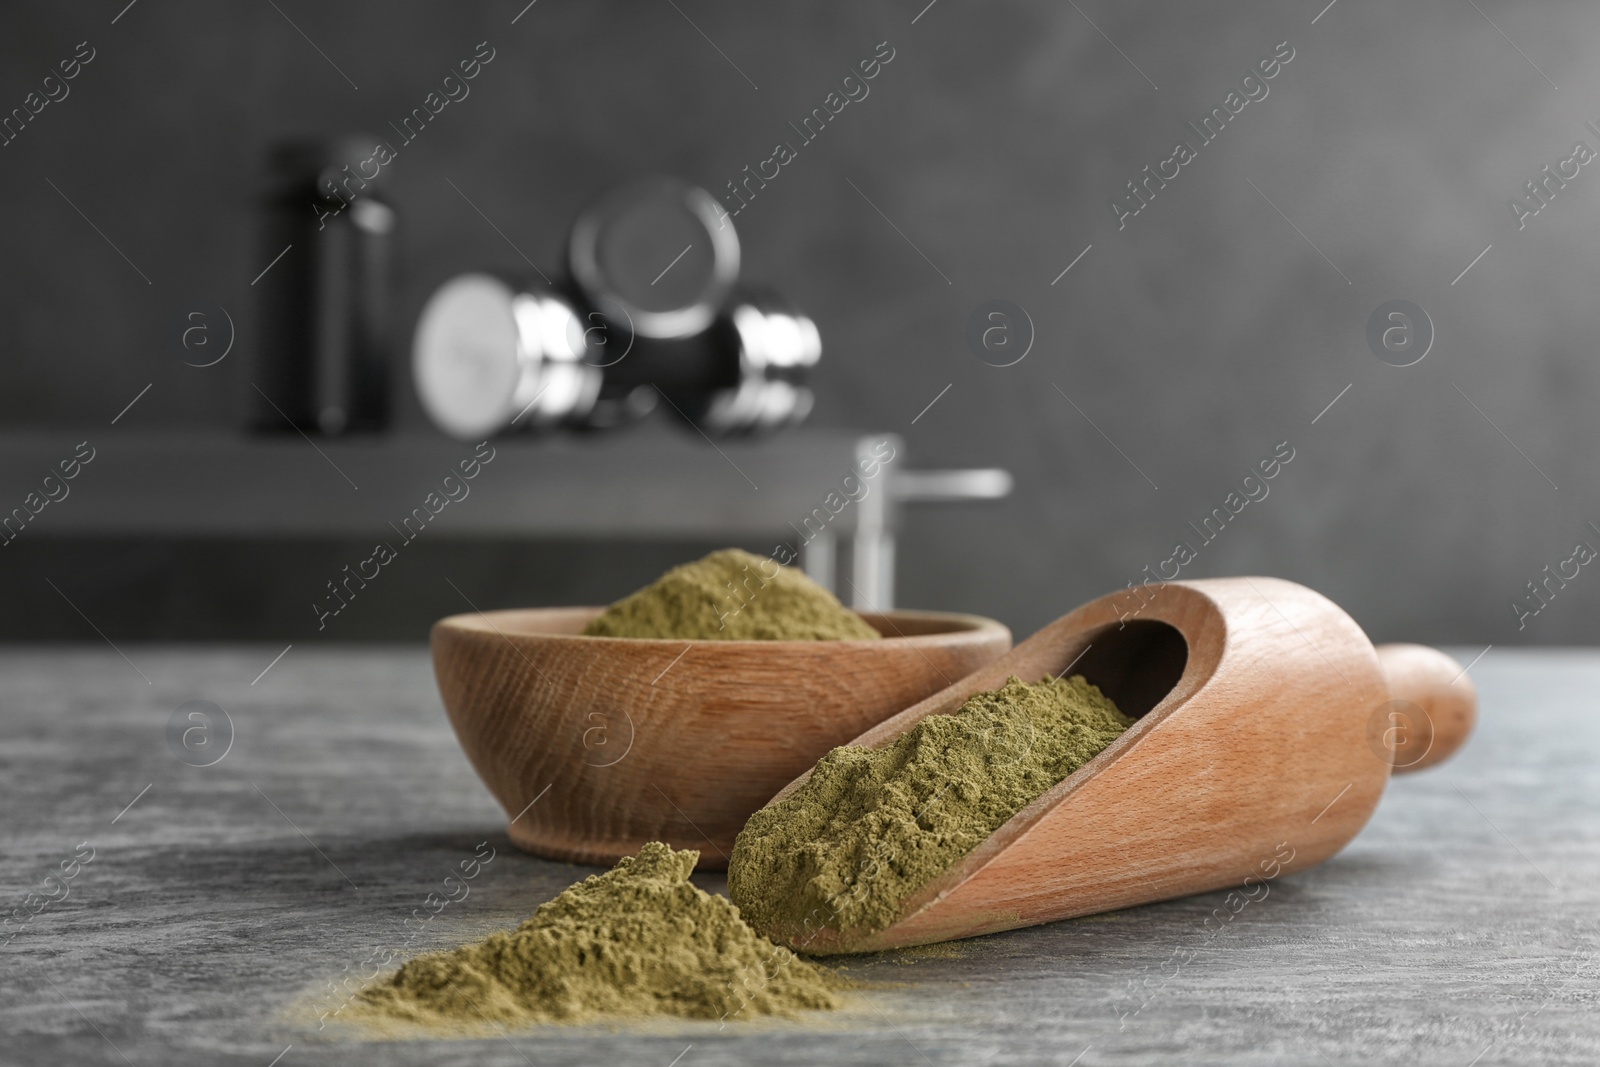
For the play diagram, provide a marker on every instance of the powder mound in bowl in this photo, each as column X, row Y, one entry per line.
column 732, row 595
column 870, row 827
column 640, row 940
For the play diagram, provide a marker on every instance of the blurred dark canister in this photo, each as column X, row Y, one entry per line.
column 325, row 299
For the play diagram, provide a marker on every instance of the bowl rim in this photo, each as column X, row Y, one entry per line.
column 963, row 627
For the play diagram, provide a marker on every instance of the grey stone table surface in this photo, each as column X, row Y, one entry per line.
column 208, row 907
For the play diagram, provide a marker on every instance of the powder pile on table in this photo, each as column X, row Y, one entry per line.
column 639, row 940
column 870, row 827
column 732, row 595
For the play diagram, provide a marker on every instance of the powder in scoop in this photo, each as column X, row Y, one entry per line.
column 732, row 595
column 639, row 940
column 872, row 826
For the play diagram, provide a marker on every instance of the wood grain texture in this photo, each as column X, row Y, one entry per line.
column 1435, row 706
column 1254, row 755
column 596, row 745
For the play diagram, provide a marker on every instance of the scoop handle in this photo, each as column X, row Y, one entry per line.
column 1432, row 681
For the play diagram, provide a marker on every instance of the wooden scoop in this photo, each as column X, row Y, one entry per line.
column 1267, row 728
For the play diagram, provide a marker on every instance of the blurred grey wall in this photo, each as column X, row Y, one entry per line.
column 1177, row 353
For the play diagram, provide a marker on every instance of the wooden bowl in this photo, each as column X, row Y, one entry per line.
column 597, row 745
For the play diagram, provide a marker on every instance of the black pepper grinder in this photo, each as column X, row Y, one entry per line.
column 325, row 300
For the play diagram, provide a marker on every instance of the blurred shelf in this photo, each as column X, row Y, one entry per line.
column 654, row 481
column 802, row 487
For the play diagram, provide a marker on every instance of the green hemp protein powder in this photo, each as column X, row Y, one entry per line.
column 870, row 827
column 639, row 940
column 732, row 595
